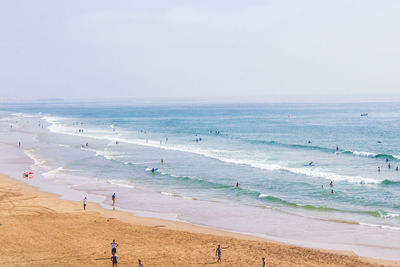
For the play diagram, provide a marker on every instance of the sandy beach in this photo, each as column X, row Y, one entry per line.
column 39, row 229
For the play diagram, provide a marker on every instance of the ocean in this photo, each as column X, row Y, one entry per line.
column 243, row 168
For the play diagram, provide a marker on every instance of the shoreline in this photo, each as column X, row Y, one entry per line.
column 24, row 207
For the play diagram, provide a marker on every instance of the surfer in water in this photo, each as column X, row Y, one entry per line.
column 331, row 183
column 152, row 170
column 237, row 184
column 389, row 166
column 310, row 163
column 332, row 192
column 379, row 169
column 337, row 148
column 397, row 168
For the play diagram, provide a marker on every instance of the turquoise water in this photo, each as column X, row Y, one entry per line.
column 208, row 149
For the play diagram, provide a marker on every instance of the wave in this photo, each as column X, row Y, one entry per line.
column 377, row 213
column 276, row 143
column 390, row 182
column 380, row 226
column 273, row 199
column 311, row 172
column 120, row 183
column 296, row 205
column 36, row 159
column 211, row 153
column 53, row 172
column 170, row 194
column 372, row 155
column 252, row 163
column 325, row 149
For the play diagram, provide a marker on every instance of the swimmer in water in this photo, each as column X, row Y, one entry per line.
column 331, row 183
column 379, row 169
column 332, row 192
column 337, row 148
column 389, row 165
column 397, row 168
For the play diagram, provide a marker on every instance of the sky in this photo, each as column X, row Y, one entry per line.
column 281, row 50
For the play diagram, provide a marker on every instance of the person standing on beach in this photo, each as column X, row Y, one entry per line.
column 84, row 203
column 264, row 264
column 113, row 200
column 19, row 144
column 114, row 246
column 140, row 263
column 114, row 260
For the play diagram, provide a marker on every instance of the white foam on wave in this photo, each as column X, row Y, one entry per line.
column 380, row 226
column 363, row 154
column 108, row 154
column 120, row 183
column 36, row 158
column 169, row 194
column 24, row 115
column 53, row 172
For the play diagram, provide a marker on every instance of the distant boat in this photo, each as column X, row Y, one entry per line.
column 364, row 114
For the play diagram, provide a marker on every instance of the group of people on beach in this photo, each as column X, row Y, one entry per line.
column 114, row 258
column 114, row 245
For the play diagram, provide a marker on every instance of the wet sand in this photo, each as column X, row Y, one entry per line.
column 39, row 229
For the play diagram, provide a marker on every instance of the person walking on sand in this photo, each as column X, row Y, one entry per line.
column 114, row 246
column 264, row 264
column 218, row 252
column 84, row 203
column 114, row 260
column 113, row 200
column 140, row 263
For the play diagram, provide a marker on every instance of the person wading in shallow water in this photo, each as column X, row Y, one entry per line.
column 113, row 200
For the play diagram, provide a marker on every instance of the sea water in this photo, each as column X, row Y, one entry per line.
column 207, row 150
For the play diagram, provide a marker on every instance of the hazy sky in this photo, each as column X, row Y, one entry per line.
column 272, row 50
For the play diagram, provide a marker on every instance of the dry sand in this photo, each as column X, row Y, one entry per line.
column 39, row 229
